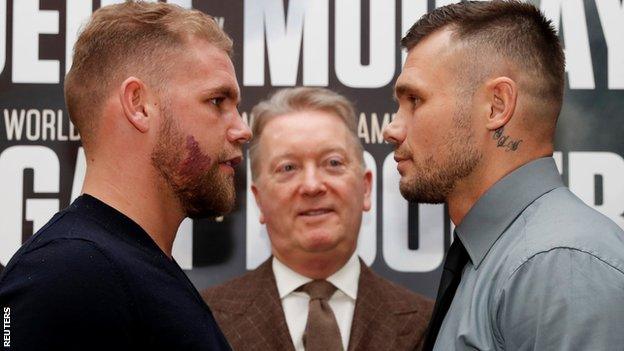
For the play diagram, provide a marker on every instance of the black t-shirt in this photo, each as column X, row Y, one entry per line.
column 92, row 279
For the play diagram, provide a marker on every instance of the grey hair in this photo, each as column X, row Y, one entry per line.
column 292, row 100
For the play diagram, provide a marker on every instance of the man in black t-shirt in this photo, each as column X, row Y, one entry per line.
column 154, row 95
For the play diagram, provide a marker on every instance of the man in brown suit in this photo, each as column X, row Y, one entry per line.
column 311, row 186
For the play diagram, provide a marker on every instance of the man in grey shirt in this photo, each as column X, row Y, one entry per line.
column 531, row 267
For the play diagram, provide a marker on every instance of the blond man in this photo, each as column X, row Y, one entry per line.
column 153, row 93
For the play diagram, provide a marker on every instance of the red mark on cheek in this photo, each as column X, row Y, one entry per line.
column 195, row 161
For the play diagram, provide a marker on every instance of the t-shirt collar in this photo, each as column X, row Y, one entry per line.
column 114, row 221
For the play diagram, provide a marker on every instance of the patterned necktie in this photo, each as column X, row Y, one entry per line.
column 321, row 331
column 456, row 259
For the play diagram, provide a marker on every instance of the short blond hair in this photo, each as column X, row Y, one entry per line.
column 293, row 100
column 132, row 38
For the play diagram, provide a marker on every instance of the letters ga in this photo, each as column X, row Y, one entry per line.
column 593, row 176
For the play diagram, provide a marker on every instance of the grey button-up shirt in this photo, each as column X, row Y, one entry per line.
column 546, row 272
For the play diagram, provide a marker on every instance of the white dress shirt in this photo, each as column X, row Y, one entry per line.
column 296, row 303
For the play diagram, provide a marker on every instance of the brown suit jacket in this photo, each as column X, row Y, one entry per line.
column 386, row 317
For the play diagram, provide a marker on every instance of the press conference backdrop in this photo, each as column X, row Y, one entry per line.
column 347, row 45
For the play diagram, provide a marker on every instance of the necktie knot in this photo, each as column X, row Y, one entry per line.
column 321, row 331
column 319, row 289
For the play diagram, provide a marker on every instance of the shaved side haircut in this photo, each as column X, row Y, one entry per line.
column 498, row 31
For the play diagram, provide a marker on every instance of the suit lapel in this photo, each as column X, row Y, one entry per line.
column 265, row 311
column 374, row 324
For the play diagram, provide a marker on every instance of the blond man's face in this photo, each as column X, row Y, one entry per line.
column 201, row 133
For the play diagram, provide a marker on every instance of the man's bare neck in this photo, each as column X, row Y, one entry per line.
column 140, row 200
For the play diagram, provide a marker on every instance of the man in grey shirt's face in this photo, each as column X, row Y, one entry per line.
column 479, row 97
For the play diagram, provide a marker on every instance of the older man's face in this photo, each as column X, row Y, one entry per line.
column 311, row 187
column 201, row 133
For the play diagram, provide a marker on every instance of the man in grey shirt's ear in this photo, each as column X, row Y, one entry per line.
column 531, row 266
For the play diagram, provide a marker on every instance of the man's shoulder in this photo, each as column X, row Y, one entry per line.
column 63, row 253
column 395, row 316
column 59, row 281
column 563, row 212
column 64, row 240
column 238, row 290
column 71, row 226
column 558, row 222
column 64, row 272
column 564, row 263
column 399, row 298
column 56, row 263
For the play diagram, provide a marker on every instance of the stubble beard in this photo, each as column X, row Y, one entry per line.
column 194, row 178
column 436, row 177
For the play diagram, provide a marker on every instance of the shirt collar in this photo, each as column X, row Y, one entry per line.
column 490, row 216
column 345, row 279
